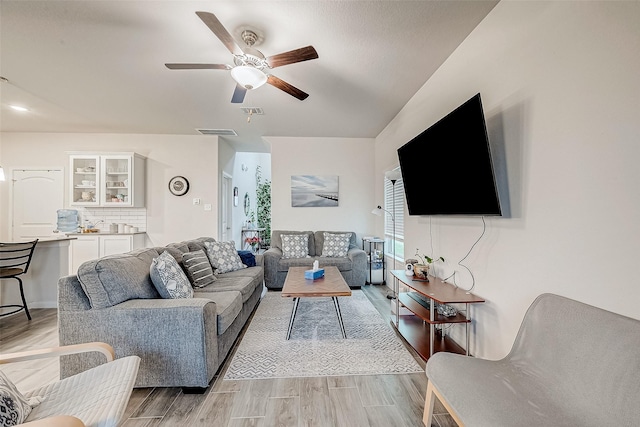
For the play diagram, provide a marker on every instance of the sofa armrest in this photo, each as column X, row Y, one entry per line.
column 358, row 259
column 271, row 259
column 160, row 331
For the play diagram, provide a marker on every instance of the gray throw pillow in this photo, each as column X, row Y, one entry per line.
column 224, row 256
column 14, row 407
column 336, row 244
column 295, row 245
column 168, row 278
column 198, row 268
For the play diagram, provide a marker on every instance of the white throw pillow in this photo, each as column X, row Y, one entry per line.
column 336, row 244
column 224, row 256
column 295, row 245
column 168, row 278
column 14, row 407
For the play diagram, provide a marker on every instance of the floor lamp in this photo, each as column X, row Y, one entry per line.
column 392, row 176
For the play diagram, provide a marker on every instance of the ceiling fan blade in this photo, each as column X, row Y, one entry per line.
column 293, row 56
column 238, row 94
column 198, row 66
column 291, row 90
column 218, row 29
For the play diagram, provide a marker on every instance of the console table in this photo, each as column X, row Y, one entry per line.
column 419, row 329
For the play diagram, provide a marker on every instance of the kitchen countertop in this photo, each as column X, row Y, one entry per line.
column 105, row 233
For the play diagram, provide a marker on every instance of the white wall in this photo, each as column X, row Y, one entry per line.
column 559, row 82
column 169, row 218
column 349, row 158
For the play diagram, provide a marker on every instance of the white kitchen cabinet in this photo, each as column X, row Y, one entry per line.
column 107, row 179
column 89, row 247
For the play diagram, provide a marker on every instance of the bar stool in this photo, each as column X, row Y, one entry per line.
column 14, row 261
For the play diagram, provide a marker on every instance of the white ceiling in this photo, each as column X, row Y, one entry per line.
column 98, row 66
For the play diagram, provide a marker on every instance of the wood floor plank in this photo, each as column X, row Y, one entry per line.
column 158, row 402
column 315, row 404
column 142, row 422
column 183, row 411
column 385, row 416
column 251, row 400
column 138, row 395
column 341, row 381
column 215, row 410
column 282, row 412
column 247, row 422
column 225, row 386
column 406, row 397
column 444, row 420
column 348, row 408
column 372, row 390
column 286, row 387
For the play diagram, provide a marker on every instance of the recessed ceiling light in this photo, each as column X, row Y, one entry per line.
column 19, row 108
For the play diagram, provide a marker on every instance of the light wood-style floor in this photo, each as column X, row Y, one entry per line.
column 350, row 401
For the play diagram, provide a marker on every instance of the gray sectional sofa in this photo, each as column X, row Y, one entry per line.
column 181, row 342
column 353, row 267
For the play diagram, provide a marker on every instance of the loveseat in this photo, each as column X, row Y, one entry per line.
column 181, row 342
column 352, row 266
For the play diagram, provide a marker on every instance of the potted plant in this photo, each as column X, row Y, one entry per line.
column 421, row 269
column 253, row 242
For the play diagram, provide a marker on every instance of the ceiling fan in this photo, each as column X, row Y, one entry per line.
column 251, row 68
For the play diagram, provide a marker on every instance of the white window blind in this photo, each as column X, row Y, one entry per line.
column 394, row 203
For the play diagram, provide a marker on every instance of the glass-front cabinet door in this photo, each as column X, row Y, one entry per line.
column 117, row 184
column 85, row 180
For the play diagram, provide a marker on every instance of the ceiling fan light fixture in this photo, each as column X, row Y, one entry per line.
column 248, row 77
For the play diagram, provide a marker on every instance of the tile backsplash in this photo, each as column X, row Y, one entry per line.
column 136, row 217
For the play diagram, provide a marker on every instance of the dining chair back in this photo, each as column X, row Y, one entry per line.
column 14, row 262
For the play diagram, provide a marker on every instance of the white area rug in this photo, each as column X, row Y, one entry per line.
column 316, row 347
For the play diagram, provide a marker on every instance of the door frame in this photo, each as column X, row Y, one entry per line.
column 31, row 169
column 226, row 206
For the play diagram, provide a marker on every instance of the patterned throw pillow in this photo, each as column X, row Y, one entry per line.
column 336, row 245
column 198, row 268
column 14, row 407
column 295, row 245
column 224, row 256
column 169, row 279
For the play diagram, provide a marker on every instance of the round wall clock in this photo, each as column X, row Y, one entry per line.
column 178, row 185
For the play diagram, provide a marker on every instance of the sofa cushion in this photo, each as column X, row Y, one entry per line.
column 224, row 256
column 196, row 265
column 168, row 278
column 243, row 284
column 343, row 263
column 198, row 244
column 276, row 241
column 113, row 279
column 228, row 305
column 335, row 244
column 295, row 245
column 319, row 240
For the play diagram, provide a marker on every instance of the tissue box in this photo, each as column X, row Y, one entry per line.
column 313, row 275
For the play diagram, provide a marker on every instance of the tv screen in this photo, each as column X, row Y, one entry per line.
column 447, row 169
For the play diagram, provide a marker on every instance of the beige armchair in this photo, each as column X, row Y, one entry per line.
column 97, row 397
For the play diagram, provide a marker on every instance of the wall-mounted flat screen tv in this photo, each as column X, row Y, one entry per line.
column 447, row 169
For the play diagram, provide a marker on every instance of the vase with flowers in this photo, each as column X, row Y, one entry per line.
column 253, row 242
column 421, row 269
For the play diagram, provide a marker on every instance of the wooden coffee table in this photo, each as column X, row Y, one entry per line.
column 331, row 285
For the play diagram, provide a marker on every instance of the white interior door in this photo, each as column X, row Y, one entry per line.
column 225, row 208
column 35, row 198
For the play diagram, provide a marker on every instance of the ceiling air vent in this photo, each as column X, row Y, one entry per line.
column 256, row 111
column 220, row 132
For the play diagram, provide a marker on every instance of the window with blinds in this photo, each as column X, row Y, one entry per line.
column 394, row 203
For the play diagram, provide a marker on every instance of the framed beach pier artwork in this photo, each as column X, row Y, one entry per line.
column 314, row 190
